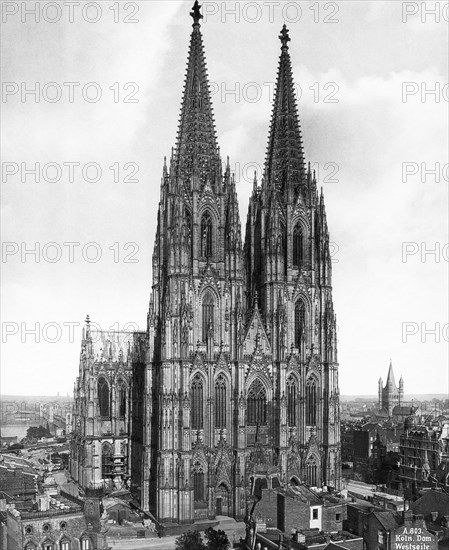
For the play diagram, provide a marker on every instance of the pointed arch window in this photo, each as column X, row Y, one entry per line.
column 208, row 315
column 220, row 402
column 298, row 246
column 107, row 460
column 198, row 483
column 196, row 404
column 121, row 399
column 206, row 235
column 104, row 401
column 188, row 222
column 257, row 404
column 311, row 402
column 291, row 401
column 300, row 323
column 312, row 472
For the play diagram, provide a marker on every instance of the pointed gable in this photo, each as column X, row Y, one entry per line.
column 256, row 339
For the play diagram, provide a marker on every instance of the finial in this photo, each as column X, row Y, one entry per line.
column 87, row 320
column 284, row 38
column 196, row 14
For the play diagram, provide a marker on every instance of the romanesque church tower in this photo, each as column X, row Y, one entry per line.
column 391, row 395
column 239, row 386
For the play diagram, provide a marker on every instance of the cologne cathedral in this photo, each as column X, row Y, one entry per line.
column 234, row 384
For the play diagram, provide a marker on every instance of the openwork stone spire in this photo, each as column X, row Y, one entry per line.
column 196, row 150
column 284, row 164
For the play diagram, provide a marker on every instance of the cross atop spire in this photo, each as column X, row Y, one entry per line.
column 195, row 13
column 284, row 37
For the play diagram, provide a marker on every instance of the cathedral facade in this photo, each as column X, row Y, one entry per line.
column 234, row 384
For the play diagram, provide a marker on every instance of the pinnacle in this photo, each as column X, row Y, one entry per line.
column 196, row 143
column 284, row 165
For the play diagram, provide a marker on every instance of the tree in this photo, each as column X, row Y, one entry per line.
column 217, row 540
column 191, row 540
column 36, row 433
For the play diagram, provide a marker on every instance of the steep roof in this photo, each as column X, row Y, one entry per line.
column 390, row 379
column 432, row 501
column 387, row 520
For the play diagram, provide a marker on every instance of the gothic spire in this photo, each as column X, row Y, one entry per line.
column 390, row 380
column 284, row 164
column 196, row 150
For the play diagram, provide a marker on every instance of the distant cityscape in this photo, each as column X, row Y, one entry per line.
column 395, row 476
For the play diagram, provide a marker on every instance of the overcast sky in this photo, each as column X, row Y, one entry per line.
column 350, row 61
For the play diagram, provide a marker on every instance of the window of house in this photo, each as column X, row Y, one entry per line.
column 380, row 536
column 64, row 545
column 314, row 513
column 48, row 546
column 85, row 544
column 337, row 517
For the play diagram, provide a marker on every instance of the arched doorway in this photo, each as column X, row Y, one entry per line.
column 222, row 501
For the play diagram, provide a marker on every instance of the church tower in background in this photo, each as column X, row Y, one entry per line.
column 238, row 385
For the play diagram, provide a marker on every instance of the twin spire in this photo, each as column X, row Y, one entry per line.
column 284, row 164
column 196, row 146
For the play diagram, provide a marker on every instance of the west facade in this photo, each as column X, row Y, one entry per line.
column 234, row 385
